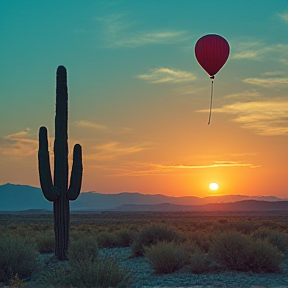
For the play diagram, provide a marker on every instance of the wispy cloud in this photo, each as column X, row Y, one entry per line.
column 259, row 51
column 268, row 118
column 18, row 144
column 93, row 125
column 284, row 16
column 266, row 82
column 142, row 169
column 145, row 38
column 247, row 50
column 113, row 150
column 18, row 134
column 216, row 164
column 166, row 75
column 117, row 33
column 274, row 73
column 88, row 124
column 245, row 96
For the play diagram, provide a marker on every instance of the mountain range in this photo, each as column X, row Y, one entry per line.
column 23, row 197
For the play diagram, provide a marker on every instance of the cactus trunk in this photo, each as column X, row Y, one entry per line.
column 58, row 192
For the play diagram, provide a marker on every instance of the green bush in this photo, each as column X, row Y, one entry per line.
column 106, row 240
column 275, row 238
column 82, row 250
column 236, row 251
column 166, row 257
column 263, row 257
column 17, row 258
column 151, row 235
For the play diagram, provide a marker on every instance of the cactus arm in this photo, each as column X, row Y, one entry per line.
column 76, row 174
column 49, row 192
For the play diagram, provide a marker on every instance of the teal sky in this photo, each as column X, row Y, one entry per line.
column 138, row 99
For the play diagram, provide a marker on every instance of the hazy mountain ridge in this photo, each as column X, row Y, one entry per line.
column 23, row 197
column 244, row 205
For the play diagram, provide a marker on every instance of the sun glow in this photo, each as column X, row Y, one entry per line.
column 213, row 186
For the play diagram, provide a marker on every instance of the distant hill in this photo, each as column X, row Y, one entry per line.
column 244, row 205
column 23, row 197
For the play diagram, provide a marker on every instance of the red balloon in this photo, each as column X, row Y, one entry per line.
column 212, row 52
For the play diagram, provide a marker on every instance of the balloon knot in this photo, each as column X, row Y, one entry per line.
column 212, row 77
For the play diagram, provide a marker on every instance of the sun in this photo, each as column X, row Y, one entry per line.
column 213, row 186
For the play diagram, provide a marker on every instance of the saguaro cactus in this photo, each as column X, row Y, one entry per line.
column 59, row 192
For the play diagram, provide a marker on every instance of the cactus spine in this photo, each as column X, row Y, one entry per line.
column 59, row 192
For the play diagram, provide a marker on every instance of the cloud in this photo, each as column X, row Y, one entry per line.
column 259, row 51
column 246, row 54
column 140, row 169
column 18, row 144
column 284, row 16
column 266, row 82
column 92, row 125
column 245, row 96
column 247, row 50
column 113, row 150
column 267, row 118
column 273, row 73
column 88, row 124
column 116, row 30
column 145, row 38
column 17, row 135
column 166, row 75
column 215, row 165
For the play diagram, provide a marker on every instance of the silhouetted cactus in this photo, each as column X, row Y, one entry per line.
column 59, row 192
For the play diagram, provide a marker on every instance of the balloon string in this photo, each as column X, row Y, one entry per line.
column 211, row 102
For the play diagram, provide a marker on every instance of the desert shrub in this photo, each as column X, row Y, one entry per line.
column 151, row 235
column 236, row 251
column 166, row 257
column 18, row 258
column 275, row 238
column 45, row 243
column 199, row 262
column 124, row 238
column 222, row 221
column 106, row 240
column 200, row 238
column 263, row 257
column 101, row 273
column 242, row 226
column 87, row 270
column 82, row 250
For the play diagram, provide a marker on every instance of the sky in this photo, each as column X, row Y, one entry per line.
column 139, row 100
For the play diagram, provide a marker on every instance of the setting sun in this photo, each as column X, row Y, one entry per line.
column 213, row 186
